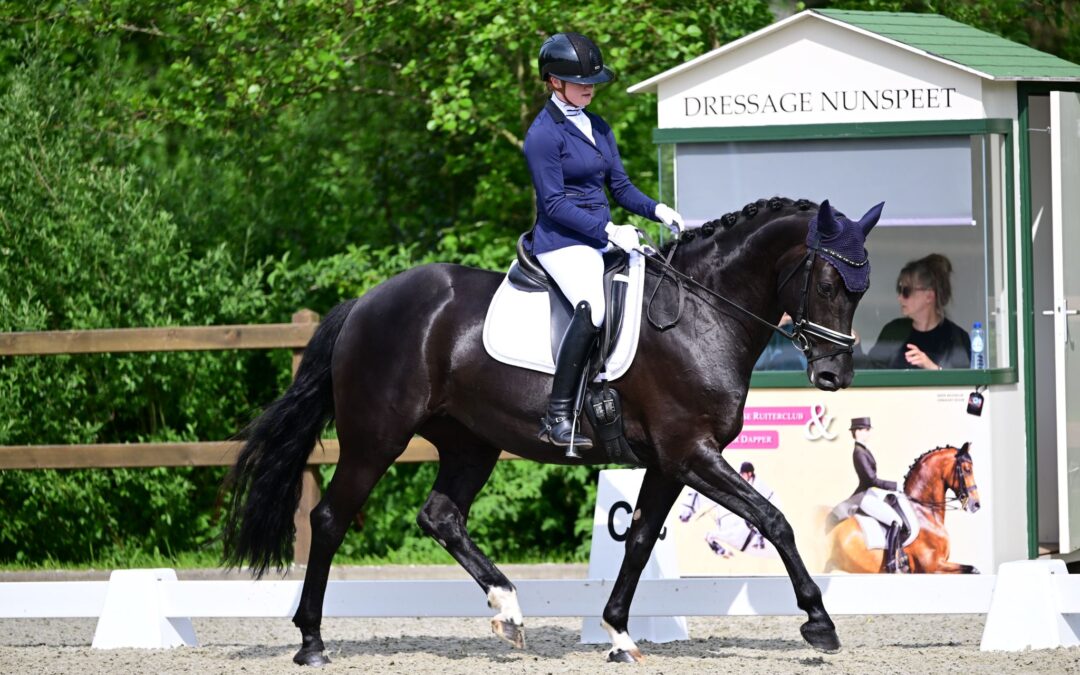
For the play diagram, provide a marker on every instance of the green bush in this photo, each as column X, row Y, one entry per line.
column 84, row 245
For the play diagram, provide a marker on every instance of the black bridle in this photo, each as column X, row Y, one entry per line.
column 803, row 329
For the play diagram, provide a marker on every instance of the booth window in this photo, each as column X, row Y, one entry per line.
column 942, row 195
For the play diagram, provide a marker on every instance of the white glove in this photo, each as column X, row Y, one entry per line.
column 623, row 236
column 671, row 218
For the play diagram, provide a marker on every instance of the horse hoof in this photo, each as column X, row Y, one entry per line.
column 624, row 656
column 511, row 632
column 821, row 637
column 310, row 658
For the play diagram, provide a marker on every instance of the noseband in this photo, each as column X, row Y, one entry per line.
column 962, row 491
column 803, row 328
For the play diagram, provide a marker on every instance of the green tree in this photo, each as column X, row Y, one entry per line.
column 1052, row 26
column 83, row 245
column 303, row 127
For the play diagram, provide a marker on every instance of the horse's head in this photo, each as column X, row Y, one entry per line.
column 962, row 480
column 821, row 290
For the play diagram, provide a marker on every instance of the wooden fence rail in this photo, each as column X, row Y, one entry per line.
column 294, row 336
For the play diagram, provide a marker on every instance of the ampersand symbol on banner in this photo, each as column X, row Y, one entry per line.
column 817, row 426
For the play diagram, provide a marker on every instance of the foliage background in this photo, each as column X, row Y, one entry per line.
column 221, row 161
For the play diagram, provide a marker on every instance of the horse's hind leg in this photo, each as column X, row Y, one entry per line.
column 658, row 493
column 353, row 481
column 465, row 464
column 711, row 474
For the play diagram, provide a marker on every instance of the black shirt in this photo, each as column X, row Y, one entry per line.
column 947, row 345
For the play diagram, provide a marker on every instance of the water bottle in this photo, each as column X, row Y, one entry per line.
column 978, row 347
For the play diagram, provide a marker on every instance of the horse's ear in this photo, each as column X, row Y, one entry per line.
column 826, row 222
column 870, row 218
column 966, row 450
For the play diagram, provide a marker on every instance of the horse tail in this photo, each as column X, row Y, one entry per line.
column 266, row 479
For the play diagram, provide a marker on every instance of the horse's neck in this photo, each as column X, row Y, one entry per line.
column 926, row 481
column 746, row 271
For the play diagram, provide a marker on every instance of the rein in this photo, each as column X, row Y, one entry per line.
column 803, row 329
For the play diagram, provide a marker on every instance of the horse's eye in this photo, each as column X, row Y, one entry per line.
column 825, row 289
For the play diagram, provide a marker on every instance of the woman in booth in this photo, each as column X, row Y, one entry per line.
column 924, row 338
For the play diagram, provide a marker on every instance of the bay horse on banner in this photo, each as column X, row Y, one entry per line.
column 407, row 359
column 929, row 480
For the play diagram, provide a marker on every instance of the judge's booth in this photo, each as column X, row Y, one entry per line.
column 973, row 143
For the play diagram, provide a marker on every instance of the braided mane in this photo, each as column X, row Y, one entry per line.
column 920, row 458
column 747, row 216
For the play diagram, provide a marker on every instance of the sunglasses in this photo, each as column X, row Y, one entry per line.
column 906, row 291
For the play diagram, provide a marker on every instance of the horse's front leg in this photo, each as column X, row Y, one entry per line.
column 709, row 473
column 949, row 567
column 658, row 494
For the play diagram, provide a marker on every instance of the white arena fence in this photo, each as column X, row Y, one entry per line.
column 1028, row 604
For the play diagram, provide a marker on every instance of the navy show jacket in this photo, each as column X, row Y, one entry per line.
column 569, row 173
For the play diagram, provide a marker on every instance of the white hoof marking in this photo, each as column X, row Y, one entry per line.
column 505, row 601
column 621, row 641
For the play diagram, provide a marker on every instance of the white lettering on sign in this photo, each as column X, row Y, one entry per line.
column 847, row 100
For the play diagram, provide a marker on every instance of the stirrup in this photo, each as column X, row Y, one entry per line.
column 547, row 425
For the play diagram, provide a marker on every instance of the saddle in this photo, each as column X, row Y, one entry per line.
column 529, row 298
column 526, row 274
column 874, row 531
column 528, row 316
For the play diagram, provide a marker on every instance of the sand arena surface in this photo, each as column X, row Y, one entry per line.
column 744, row 645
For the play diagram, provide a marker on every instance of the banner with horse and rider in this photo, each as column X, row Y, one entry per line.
column 865, row 477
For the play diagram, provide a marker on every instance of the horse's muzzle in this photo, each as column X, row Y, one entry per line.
column 830, row 374
column 825, row 380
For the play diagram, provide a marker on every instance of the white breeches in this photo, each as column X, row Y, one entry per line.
column 873, row 504
column 579, row 272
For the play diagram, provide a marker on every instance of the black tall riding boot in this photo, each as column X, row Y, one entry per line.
column 557, row 426
column 892, row 549
column 903, row 530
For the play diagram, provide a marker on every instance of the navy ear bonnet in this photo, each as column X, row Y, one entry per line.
column 842, row 242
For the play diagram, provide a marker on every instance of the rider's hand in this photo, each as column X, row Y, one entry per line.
column 671, row 218
column 623, row 236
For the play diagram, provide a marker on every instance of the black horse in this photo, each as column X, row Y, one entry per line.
column 407, row 358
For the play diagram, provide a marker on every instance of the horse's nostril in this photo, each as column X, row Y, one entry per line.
column 826, row 380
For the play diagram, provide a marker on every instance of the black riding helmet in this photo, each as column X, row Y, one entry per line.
column 572, row 57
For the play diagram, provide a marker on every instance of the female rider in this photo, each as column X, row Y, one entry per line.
column 572, row 156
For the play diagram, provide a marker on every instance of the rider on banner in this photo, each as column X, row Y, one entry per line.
column 572, row 156
column 875, row 497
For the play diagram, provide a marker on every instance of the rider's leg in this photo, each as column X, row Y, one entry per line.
column 557, row 425
column 874, row 505
column 579, row 271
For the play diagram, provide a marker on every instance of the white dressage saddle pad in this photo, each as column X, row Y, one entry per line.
column 874, row 531
column 517, row 329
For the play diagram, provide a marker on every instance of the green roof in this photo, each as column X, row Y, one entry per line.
column 953, row 41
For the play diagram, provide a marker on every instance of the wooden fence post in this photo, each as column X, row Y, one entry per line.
column 310, row 491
